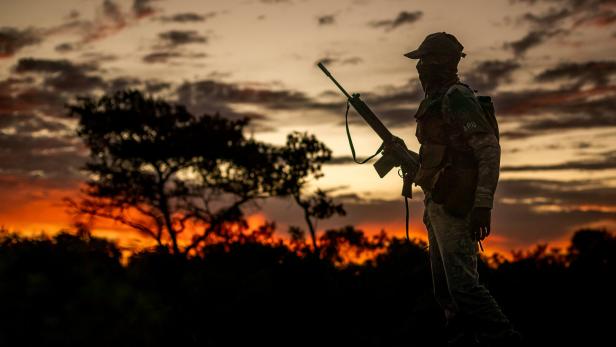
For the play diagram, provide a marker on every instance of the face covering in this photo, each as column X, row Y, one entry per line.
column 434, row 76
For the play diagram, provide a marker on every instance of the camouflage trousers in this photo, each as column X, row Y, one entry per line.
column 470, row 310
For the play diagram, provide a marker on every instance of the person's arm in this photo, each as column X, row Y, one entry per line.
column 461, row 107
column 486, row 150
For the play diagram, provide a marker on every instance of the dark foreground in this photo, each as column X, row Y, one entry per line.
column 74, row 291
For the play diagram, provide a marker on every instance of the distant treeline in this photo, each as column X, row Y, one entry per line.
column 253, row 290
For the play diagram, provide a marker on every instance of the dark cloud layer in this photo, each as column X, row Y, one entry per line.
column 181, row 37
column 62, row 75
column 211, row 91
column 55, row 158
column 547, row 19
column 160, row 57
column 188, row 17
column 596, row 73
column 28, row 123
column 32, row 99
column 489, row 74
column 12, row 40
column 541, row 192
column 532, row 39
column 605, row 161
column 595, row 101
column 583, row 96
column 326, row 19
column 163, row 56
column 402, row 18
column 553, row 208
column 559, row 19
column 340, row 61
column 142, row 8
column 65, row 47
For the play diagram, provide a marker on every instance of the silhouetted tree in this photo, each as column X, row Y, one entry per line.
column 304, row 156
column 159, row 169
column 592, row 249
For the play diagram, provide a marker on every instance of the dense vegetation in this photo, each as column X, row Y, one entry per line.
column 74, row 291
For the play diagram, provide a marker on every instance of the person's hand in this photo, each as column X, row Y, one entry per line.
column 394, row 147
column 480, row 222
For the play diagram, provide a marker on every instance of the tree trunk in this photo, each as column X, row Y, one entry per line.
column 313, row 234
column 164, row 208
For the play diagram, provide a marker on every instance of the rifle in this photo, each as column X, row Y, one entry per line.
column 395, row 154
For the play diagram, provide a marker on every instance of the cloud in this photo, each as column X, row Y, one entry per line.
column 582, row 96
column 32, row 145
column 604, row 161
column 110, row 19
column 538, row 192
column 25, row 65
column 341, row 160
column 120, row 83
column 112, row 11
column 211, row 96
column 410, row 92
column 403, row 18
column 525, row 211
column 143, row 8
column 32, row 99
column 28, row 123
column 326, row 19
column 330, row 60
column 175, row 38
column 561, row 20
column 568, row 100
column 600, row 19
column 547, row 19
column 12, row 40
column 532, row 39
column 558, row 124
column 165, row 56
column 55, row 158
column 62, row 75
column 187, row 17
column 65, row 47
column 96, row 58
column 596, row 73
column 206, row 91
column 154, row 86
column 544, row 111
column 489, row 74
column 160, row 57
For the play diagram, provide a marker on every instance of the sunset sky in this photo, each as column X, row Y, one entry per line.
column 550, row 66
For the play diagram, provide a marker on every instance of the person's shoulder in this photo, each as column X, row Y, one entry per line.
column 459, row 98
column 460, row 106
column 460, row 92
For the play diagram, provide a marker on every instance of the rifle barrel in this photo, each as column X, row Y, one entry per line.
column 322, row 67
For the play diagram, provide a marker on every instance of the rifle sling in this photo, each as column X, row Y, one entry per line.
column 346, row 122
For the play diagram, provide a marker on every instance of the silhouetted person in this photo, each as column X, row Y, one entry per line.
column 460, row 158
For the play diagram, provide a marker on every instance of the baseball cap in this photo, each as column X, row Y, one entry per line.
column 439, row 43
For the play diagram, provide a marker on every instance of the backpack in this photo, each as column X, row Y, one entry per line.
column 489, row 113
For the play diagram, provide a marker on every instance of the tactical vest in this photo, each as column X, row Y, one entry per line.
column 448, row 168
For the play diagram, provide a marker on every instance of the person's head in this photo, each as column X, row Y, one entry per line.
column 438, row 57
